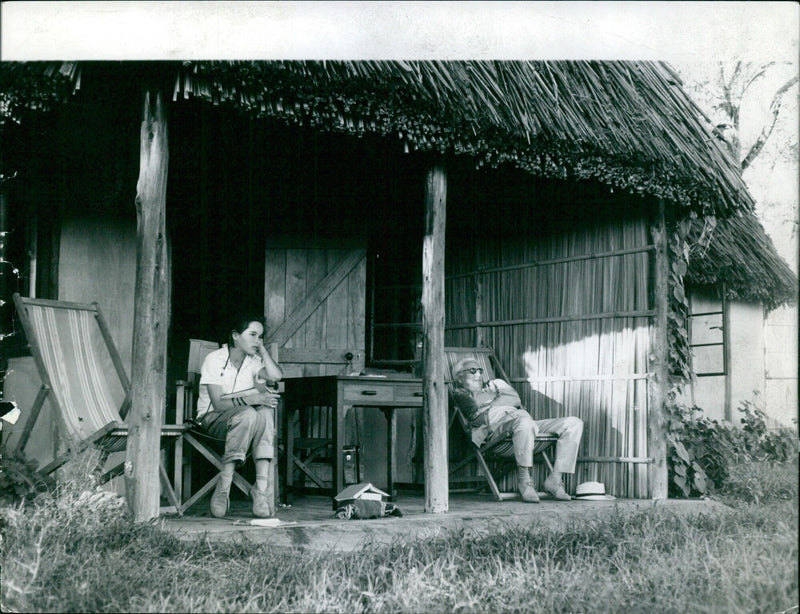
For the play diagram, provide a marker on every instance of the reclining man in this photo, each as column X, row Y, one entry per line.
column 494, row 411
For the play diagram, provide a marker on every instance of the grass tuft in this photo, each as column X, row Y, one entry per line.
column 757, row 482
column 78, row 551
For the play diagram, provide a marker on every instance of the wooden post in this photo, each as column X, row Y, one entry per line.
column 150, row 317
column 478, row 310
column 726, row 351
column 659, row 352
column 434, row 415
column 4, row 284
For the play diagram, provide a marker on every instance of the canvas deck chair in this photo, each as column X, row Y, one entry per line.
column 83, row 377
column 499, row 455
column 201, row 443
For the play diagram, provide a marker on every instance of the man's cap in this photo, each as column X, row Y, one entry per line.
column 464, row 364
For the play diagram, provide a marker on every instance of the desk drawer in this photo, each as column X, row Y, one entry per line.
column 410, row 393
column 366, row 393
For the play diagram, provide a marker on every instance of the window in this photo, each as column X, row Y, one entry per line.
column 707, row 335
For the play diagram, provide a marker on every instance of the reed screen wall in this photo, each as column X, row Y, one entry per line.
column 569, row 317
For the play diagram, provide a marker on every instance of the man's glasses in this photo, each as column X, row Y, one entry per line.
column 472, row 370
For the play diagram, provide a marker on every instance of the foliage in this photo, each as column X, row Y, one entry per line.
column 19, row 480
column 77, row 515
column 680, row 354
column 755, row 106
column 702, row 451
column 763, row 445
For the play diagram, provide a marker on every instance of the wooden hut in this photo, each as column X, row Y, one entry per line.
column 735, row 278
column 322, row 192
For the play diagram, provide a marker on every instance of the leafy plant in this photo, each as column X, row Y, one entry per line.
column 19, row 480
column 693, row 445
column 702, row 452
column 778, row 445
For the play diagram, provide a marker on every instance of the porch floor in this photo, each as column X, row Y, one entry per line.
column 309, row 522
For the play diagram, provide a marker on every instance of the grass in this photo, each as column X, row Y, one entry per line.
column 77, row 551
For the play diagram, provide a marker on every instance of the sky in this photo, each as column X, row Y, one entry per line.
column 673, row 31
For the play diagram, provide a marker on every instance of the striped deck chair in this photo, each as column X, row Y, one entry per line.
column 84, row 378
column 500, row 454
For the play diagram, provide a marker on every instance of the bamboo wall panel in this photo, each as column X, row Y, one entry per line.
column 590, row 358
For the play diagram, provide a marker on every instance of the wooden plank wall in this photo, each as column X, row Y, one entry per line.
column 569, row 317
column 98, row 263
column 319, row 345
column 334, row 328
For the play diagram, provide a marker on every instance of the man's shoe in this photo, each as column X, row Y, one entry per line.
column 525, row 485
column 260, row 504
column 219, row 501
column 556, row 488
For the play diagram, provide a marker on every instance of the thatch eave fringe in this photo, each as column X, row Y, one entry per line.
column 633, row 113
column 741, row 255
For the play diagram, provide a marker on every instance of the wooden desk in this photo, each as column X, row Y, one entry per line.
column 342, row 393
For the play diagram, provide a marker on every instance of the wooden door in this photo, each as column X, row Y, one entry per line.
column 314, row 306
column 314, row 303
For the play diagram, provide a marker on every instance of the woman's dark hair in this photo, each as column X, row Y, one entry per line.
column 240, row 324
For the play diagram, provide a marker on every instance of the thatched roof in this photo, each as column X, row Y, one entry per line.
column 741, row 256
column 627, row 124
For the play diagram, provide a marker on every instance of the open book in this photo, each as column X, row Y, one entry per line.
column 363, row 490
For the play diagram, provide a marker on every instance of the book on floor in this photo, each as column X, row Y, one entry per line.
column 363, row 490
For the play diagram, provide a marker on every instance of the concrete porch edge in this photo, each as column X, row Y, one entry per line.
column 483, row 518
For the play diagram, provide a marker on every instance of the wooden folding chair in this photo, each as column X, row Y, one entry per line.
column 202, row 444
column 84, row 378
column 499, row 454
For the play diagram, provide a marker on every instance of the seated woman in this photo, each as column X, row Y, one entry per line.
column 494, row 411
column 246, row 421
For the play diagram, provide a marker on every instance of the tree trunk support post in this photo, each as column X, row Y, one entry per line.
column 151, row 316
column 659, row 366
column 433, row 385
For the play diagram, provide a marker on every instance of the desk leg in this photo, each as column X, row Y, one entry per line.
column 288, row 432
column 391, row 436
column 338, row 446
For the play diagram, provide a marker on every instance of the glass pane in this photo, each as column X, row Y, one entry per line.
column 706, row 329
column 708, row 359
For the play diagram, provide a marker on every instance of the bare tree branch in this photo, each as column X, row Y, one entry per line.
column 775, row 107
column 760, row 73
